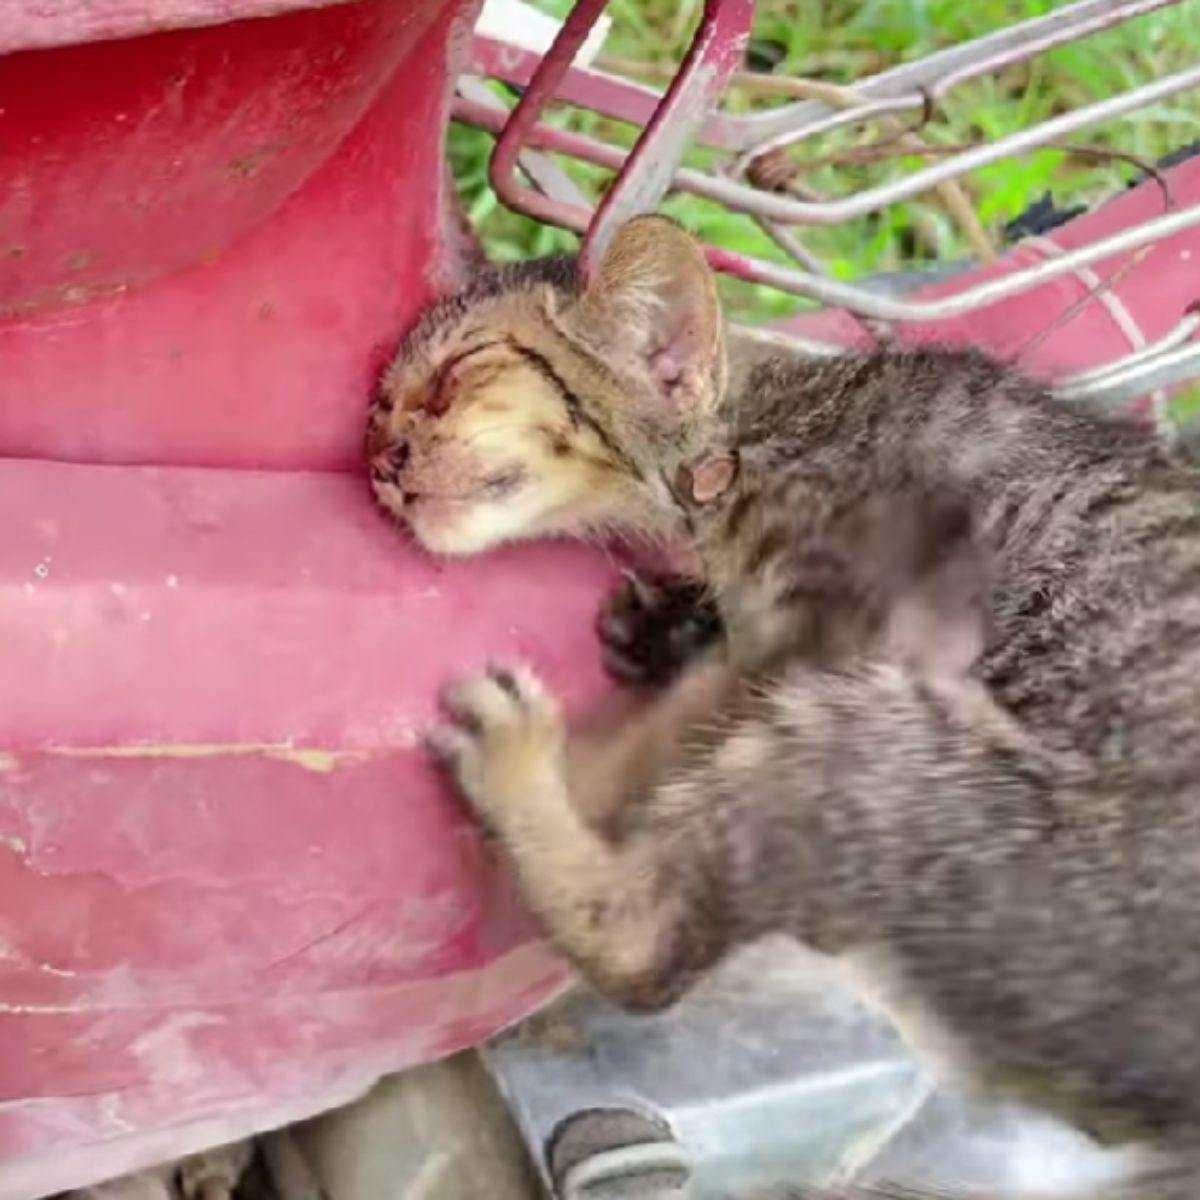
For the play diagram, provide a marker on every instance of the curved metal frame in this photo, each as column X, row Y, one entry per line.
column 686, row 113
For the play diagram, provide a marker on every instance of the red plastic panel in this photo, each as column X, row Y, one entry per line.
column 28, row 24
column 186, row 142
column 1154, row 292
column 230, row 881
column 261, row 354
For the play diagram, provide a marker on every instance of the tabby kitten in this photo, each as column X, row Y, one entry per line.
column 950, row 731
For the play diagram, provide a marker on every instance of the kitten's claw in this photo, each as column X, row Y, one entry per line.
column 446, row 744
column 505, row 733
column 653, row 626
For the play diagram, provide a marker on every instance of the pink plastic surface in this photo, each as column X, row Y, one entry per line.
column 232, row 890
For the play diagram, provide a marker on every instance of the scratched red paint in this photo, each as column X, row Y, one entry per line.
column 202, row 931
column 193, row 933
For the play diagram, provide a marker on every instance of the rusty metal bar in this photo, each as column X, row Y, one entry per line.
column 716, row 52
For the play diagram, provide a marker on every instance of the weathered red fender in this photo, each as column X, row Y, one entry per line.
column 231, row 891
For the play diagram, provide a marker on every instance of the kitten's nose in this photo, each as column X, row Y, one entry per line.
column 390, row 460
column 398, row 455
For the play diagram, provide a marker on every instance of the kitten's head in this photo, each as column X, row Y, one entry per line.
column 530, row 406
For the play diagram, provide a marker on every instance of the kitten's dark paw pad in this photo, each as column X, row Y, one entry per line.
column 505, row 733
column 653, row 626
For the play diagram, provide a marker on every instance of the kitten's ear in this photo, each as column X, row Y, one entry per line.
column 651, row 307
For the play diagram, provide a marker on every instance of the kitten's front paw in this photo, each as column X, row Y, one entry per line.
column 653, row 626
column 504, row 740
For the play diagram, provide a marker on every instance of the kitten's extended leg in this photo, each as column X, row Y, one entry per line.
column 553, row 800
column 806, row 808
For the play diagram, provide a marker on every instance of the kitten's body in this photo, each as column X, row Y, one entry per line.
column 952, row 730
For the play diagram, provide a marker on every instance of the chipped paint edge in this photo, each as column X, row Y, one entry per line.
column 318, row 759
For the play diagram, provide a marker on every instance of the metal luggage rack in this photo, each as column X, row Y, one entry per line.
column 751, row 173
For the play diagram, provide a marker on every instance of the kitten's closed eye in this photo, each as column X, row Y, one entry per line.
column 504, row 483
column 440, row 394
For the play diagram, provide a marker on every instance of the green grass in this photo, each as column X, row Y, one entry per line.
column 841, row 41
